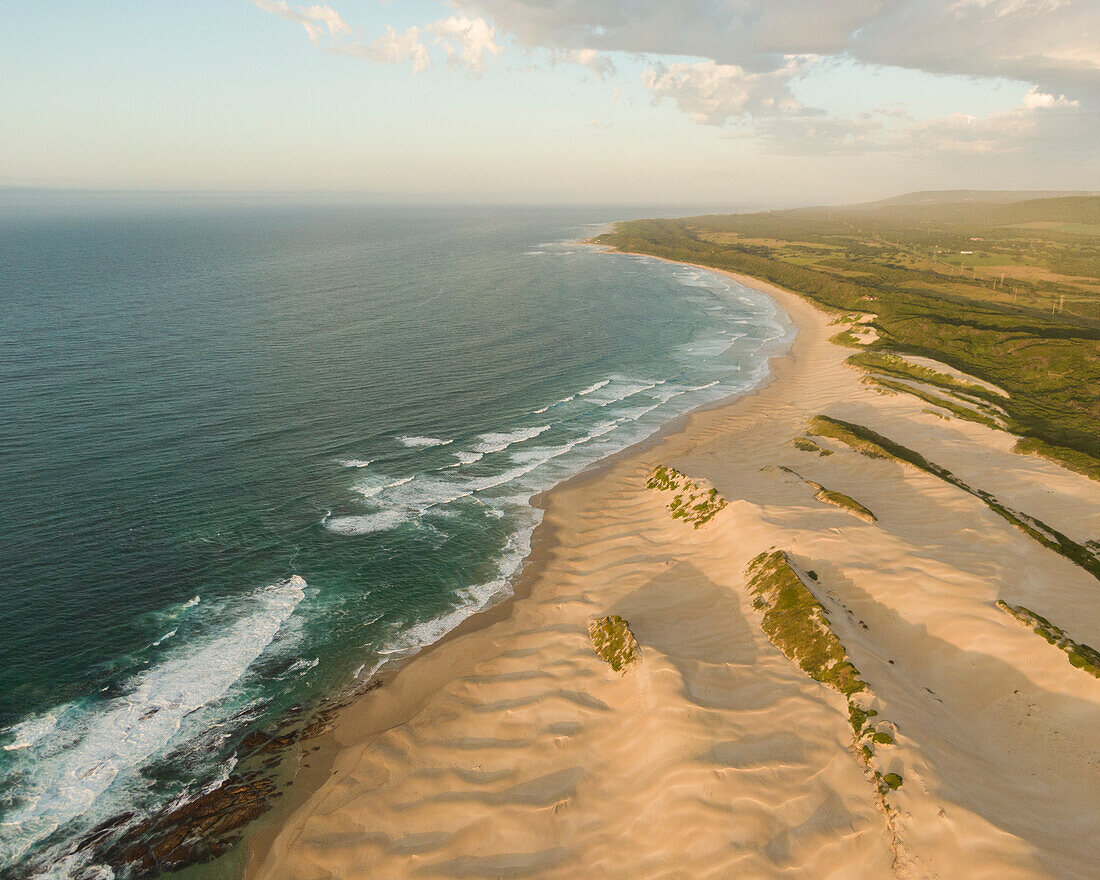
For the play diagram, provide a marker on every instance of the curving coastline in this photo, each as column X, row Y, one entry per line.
column 508, row 749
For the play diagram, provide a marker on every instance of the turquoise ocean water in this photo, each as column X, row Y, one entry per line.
column 249, row 455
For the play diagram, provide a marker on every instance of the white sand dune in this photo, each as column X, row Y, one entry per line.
column 511, row 750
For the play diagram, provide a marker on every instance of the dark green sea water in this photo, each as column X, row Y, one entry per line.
column 248, row 454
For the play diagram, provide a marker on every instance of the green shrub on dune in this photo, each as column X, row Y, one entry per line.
column 1081, row 656
column 844, row 502
column 613, row 641
column 692, row 503
column 796, row 623
column 867, row 442
column 808, row 445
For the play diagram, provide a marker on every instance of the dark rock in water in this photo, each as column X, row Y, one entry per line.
column 209, row 826
column 197, row 831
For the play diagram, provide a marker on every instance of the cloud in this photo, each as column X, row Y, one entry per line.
column 752, row 52
column 1038, row 120
column 391, row 48
column 1052, row 43
column 315, row 19
column 1035, row 99
column 466, row 42
column 601, row 65
column 714, row 93
column 1034, row 122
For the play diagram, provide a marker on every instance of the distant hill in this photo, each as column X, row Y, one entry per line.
column 988, row 197
column 971, row 208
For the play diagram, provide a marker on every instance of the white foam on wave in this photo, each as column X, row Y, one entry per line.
column 164, row 638
column 301, row 665
column 469, row 457
column 494, row 442
column 79, row 752
column 540, row 455
column 595, row 386
column 192, row 602
column 629, row 389
column 410, row 640
column 378, row 484
column 364, row 524
column 26, row 733
column 423, row 442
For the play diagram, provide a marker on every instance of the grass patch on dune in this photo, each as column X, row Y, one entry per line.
column 834, row 429
column 1073, row 459
column 898, row 367
column 613, row 641
column 808, row 445
column 871, row 443
column 1081, row 656
column 796, row 623
column 692, row 502
column 848, row 339
column 956, row 409
column 844, row 502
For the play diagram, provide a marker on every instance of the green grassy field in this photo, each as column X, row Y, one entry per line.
column 1035, row 332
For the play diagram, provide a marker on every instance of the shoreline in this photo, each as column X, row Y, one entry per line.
column 386, row 769
column 257, row 840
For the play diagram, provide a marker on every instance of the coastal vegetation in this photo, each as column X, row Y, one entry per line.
column 1073, row 459
column 692, row 502
column 797, row 624
column 956, row 409
column 613, row 641
column 844, row 502
column 898, row 367
column 850, row 435
column 1080, row 656
column 830, row 496
column 806, row 444
column 1007, row 292
column 867, row 442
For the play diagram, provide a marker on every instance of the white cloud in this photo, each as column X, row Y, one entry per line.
column 1035, row 99
column 467, row 42
column 1006, row 131
column 315, row 19
column 601, row 65
column 391, row 48
column 715, row 93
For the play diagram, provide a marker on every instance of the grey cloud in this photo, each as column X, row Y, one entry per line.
column 1054, row 43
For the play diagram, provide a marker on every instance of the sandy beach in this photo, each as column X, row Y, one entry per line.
column 511, row 749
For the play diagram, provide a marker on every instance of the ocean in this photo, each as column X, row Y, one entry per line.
column 252, row 454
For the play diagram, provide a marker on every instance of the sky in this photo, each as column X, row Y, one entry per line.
column 746, row 102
